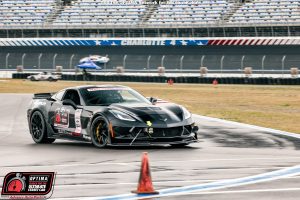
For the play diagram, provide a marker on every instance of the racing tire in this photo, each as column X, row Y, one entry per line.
column 100, row 134
column 50, row 79
column 32, row 78
column 38, row 129
column 179, row 145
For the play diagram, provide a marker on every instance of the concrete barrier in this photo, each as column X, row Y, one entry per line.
column 20, row 68
column 59, row 69
column 161, row 71
column 120, row 69
column 248, row 71
column 294, row 72
column 176, row 79
column 203, row 71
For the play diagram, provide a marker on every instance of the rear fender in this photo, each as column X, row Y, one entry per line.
column 43, row 106
column 49, row 130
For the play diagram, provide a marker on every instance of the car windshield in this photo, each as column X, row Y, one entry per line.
column 100, row 96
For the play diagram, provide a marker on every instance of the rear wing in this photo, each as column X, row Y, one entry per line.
column 42, row 95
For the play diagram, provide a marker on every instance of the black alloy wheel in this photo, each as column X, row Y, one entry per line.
column 100, row 132
column 38, row 129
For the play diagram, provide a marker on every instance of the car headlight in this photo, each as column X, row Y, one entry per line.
column 122, row 116
column 186, row 113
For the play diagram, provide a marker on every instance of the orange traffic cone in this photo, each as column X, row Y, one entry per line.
column 215, row 82
column 170, row 82
column 145, row 182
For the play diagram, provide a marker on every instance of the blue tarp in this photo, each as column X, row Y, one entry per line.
column 89, row 65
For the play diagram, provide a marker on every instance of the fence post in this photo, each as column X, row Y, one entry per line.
column 148, row 62
column 54, row 60
column 263, row 64
column 71, row 61
column 6, row 60
column 221, row 63
column 124, row 61
column 202, row 60
column 39, row 60
column 105, row 64
column 181, row 63
column 162, row 61
column 282, row 65
column 23, row 57
column 242, row 62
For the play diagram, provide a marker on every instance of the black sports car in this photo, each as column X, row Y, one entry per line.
column 108, row 115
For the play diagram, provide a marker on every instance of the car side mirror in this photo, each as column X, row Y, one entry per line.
column 68, row 102
column 152, row 100
column 79, row 107
column 51, row 99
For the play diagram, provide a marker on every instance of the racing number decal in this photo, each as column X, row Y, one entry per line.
column 61, row 119
column 78, row 120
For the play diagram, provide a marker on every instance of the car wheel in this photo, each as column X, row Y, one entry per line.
column 32, row 78
column 100, row 132
column 50, row 79
column 38, row 129
column 179, row 145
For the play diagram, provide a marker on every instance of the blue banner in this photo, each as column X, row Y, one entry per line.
column 101, row 42
column 95, row 42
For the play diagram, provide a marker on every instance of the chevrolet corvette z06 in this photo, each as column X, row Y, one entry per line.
column 109, row 115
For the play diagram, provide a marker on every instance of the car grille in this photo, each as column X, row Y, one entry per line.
column 167, row 132
column 152, row 132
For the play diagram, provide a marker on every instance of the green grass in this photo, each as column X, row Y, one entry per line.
column 268, row 106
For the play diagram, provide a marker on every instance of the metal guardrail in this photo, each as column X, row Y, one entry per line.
column 194, row 78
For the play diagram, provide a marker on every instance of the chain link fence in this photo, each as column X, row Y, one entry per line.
column 259, row 64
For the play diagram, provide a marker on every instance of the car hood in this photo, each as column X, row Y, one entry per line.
column 166, row 112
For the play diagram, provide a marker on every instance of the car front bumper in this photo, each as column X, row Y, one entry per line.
column 147, row 136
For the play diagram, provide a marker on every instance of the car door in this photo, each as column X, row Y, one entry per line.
column 65, row 119
column 43, row 76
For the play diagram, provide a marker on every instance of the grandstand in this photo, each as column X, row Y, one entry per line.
column 222, row 35
column 96, row 13
column 25, row 13
column 268, row 12
column 141, row 18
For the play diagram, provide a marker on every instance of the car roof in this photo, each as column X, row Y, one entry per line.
column 96, row 86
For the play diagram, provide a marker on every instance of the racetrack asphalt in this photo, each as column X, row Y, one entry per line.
column 225, row 151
